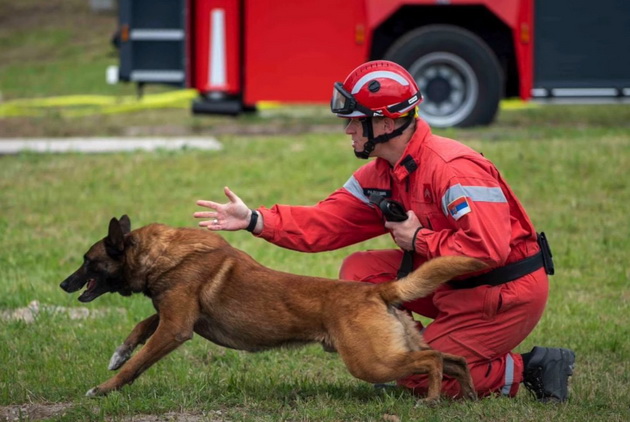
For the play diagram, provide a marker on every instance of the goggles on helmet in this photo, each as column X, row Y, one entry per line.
column 344, row 103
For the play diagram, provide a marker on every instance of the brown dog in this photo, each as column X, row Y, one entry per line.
column 200, row 284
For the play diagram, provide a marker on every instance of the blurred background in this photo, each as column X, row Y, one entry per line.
column 262, row 58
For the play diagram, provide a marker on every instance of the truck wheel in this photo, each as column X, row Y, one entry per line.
column 458, row 75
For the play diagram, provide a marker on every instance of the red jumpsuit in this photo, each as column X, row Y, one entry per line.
column 466, row 208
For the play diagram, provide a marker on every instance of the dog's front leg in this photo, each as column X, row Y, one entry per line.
column 175, row 326
column 139, row 335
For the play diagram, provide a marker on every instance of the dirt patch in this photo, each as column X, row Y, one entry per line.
column 45, row 411
column 178, row 417
column 30, row 313
column 33, row 412
column 38, row 127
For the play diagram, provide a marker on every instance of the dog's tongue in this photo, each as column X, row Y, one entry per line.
column 86, row 296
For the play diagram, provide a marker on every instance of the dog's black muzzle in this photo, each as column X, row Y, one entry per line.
column 73, row 283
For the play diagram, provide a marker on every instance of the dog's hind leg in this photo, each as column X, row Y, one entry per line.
column 139, row 335
column 456, row 367
column 384, row 368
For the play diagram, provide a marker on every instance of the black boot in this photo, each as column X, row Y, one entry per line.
column 547, row 372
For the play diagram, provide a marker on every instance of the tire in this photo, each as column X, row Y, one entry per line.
column 458, row 75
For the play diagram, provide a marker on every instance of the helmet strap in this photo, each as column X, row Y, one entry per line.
column 368, row 132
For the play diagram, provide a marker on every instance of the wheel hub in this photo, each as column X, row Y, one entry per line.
column 449, row 86
column 437, row 90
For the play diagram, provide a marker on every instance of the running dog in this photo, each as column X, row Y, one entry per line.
column 200, row 284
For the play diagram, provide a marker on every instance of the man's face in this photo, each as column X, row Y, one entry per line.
column 354, row 128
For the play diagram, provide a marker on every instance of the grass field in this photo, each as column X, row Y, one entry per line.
column 569, row 165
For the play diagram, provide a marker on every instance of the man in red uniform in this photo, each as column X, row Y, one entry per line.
column 457, row 204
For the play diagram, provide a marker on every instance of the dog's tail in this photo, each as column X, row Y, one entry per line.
column 426, row 278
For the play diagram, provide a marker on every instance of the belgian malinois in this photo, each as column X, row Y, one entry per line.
column 200, row 284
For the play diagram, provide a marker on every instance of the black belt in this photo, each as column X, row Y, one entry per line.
column 513, row 271
column 503, row 274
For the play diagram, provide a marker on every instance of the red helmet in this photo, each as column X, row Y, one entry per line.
column 376, row 88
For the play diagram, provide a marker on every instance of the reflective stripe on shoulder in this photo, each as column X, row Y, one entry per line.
column 354, row 187
column 475, row 193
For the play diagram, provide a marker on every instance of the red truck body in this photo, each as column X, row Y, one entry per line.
column 306, row 49
column 465, row 54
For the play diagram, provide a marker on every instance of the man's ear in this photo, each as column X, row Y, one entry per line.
column 125, row 224
column 389, row 124
column 115, row 240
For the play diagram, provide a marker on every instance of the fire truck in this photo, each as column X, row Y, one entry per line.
column 466, row 55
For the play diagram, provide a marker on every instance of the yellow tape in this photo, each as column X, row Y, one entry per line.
column 268, row 105
column 517, row 104
column 86, row 105
column 14, row 111
column 67, row 101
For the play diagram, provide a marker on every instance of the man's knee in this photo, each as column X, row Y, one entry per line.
column 351, row 266
column 370, row 266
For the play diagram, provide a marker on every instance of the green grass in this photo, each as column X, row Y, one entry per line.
column 55, row 48
column 567, row 164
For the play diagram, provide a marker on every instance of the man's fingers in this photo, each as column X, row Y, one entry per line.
column 231, row 195
column 208, row 204
column 390, row 225
column 205, row 214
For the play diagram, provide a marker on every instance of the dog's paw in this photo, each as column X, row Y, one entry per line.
column 329, row 348
column 428, row 402
column 472, row 395
column 93, row 392
column 120, row 356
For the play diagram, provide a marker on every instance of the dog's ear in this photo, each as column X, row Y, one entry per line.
column 125, row 224
column 115, row 240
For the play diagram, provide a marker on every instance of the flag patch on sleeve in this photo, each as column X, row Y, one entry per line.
column 459, row 208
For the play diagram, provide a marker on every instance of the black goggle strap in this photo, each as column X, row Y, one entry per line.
column 404, row 104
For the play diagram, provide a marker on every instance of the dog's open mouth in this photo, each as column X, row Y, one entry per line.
column 88, row 295
column 91, row 284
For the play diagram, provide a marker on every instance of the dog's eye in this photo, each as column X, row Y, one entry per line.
column 90, row 264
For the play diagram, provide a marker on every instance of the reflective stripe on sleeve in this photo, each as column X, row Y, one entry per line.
column 475, row 193
column 354, row 187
